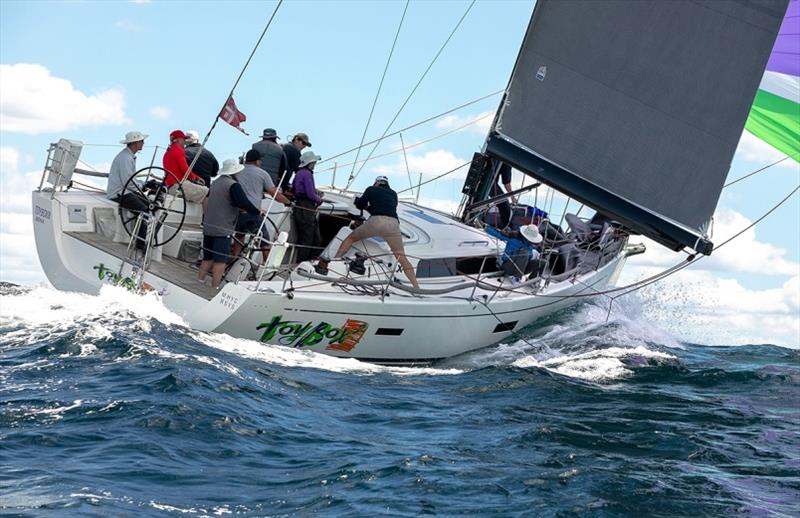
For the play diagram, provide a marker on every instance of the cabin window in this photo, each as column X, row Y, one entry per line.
column 452, row 266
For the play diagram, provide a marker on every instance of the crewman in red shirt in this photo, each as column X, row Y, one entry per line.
column 176, row 166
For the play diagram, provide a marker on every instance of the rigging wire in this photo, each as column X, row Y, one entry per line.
column 416, row 144
column 380, row 86
column 759, row 170
column 400, row 110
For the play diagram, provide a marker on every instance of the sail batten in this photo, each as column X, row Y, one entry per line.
column 642, row 103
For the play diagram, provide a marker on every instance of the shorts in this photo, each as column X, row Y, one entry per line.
column 216, row 249
column 191, row 191
column 386, row 227
column 248, row 223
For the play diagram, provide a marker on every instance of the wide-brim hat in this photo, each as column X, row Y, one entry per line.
column 269, row 133
column 231, row 166
column 531, row 233
column 309, row 157
column 133, row 136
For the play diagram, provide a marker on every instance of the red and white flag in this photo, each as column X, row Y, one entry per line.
column 231, row 114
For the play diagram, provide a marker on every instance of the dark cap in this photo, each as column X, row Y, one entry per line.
column 302, row 137
column 252, row 156
column 269, row 133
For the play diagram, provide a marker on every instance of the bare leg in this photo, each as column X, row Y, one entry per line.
column 217, row 271
column 205, row 266
column 344, row 247
column 407, row 269
column 237, row 247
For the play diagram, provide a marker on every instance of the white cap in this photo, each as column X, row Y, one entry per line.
column 133, row 136
column 531, row 233
column 309, row 157
column 192, row 136
column 230, row 166
column 382, row 179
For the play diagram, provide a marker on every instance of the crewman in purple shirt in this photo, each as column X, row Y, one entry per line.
column 304, row 213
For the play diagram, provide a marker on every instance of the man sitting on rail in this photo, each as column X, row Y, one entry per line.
column 122, row 169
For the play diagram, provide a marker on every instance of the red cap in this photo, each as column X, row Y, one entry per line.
column 177, row 134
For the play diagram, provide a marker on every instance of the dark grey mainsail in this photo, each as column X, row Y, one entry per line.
column 635, row 107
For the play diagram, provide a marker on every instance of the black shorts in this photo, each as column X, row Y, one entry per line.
column 217, row 249
column 248, row 223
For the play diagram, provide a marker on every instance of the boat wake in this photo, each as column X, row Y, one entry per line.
column 577, row 343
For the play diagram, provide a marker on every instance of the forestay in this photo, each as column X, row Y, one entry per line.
column 636, row 107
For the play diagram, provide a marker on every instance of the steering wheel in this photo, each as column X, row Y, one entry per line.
column 148, row 184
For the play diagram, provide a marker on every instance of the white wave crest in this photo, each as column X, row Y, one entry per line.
column 42, row 308
column 290, row 357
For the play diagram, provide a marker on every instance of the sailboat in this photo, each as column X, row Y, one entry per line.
column 632, row 110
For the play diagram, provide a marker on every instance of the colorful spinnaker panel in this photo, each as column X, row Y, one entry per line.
column 636, row 107
column 775, row 115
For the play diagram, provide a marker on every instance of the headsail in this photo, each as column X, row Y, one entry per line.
column 775, row 116
column 636, row 107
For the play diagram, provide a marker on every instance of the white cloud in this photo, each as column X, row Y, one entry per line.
column 32, row 101
column 128, row 26
column 745, row 254
column 430, row 164
column 160, row 112
column 18, row 259
column 474, row 123
column 753, row 149
column 700, row 307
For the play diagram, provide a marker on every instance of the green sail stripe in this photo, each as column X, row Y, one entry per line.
column 776, row 121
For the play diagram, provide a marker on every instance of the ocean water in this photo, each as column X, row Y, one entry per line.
column 110, row 406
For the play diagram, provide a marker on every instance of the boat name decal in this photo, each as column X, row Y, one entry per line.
column 299, row 334
column 41, row 214
column 107, row 274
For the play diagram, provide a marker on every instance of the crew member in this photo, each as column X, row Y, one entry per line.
column 381, row 202
column 175, row 163
column 503, row 208
column 225, row 199
column 255, row 182
column 292, row 150
column 521, row 255
column 207, row 165
column 305, row 210
column 273, row 159
column 122, row 169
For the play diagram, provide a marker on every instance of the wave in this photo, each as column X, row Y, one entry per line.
column 585, row 343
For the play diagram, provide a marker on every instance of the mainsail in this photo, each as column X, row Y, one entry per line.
column 775, row 116
column 636, row 107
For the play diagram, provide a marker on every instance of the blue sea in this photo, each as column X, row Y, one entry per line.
column 110, row 406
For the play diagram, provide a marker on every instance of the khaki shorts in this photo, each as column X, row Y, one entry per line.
column 382, row 226
column 191, row 191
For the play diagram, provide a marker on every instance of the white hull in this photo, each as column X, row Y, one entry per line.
column 398, row 328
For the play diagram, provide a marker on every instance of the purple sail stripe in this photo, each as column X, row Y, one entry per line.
column 785, row 57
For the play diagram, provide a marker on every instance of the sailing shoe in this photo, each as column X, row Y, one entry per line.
column 321, row 267
column 357, row 265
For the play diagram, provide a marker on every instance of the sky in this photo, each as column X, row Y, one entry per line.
column 93, row 70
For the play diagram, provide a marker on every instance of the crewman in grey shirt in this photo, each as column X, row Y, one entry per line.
column 273, row 160
column 255, row 183
column 122, row 169
column 124, row 164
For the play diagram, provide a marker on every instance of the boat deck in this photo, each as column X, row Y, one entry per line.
column 170, row 269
